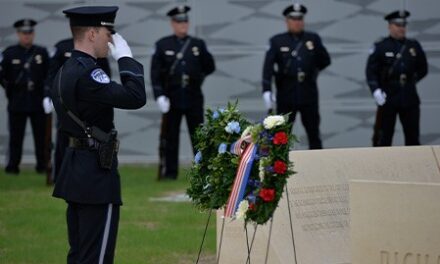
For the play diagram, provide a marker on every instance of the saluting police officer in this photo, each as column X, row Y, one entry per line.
column 179, row 66
column 84, row 98
column 23, row 72
column 295, row 58
column 63, row 51
column 394, row 66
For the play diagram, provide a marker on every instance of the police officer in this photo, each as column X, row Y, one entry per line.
column 23, row 72
column 84, row 98
column 295, row 58
column 394, row 66
column 179, row 66
column 63, row 51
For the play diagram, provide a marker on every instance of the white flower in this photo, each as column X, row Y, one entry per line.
column 247, row 131
column 273, row 121
column 242, row 209
column 261, row 169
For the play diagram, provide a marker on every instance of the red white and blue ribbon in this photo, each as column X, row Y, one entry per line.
column 247, row 154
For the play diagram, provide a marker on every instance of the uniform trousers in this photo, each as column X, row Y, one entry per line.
column 92, row 231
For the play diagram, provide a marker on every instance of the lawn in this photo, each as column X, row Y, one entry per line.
column 33, row 226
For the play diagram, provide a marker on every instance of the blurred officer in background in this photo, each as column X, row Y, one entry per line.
column 179, row 66
column 62, row 52
column 23, row 72
column 84, row 98
column 295, row 58
column 394, row 66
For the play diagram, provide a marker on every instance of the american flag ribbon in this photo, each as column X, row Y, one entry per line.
column 247, row 154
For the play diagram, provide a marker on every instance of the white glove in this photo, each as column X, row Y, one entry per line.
column 164, row 104
column 119, row 48
column 269, row 99
column 380, row 96
column 47, row 105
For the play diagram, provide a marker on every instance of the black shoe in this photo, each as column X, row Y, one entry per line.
column 11, row 170
column 168, row 178
column 40, row 170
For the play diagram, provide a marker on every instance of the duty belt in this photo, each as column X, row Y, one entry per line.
column 83, row 143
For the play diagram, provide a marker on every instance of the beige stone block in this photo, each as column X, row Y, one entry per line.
column 395, row 223
column 319, row 199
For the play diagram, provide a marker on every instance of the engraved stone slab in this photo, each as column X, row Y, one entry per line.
column 395, row 223
column 319, row 202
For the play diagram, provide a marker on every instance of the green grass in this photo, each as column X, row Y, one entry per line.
column 33, row 226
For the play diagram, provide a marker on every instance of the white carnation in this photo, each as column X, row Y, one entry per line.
column 242, row 209
column 247, row 131
column 273, row 121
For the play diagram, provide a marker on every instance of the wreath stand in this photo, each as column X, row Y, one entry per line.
column 249, row 243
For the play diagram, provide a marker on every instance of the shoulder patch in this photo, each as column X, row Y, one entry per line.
column 98, row 75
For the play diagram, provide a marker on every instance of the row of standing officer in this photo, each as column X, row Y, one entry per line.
column 181, row 63
column 294, row 60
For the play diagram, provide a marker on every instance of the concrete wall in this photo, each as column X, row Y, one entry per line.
column 237, row 33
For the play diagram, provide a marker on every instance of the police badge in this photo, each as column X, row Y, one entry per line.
column 310, row 45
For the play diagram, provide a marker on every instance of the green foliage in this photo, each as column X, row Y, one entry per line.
column 213, row 172
column 211, row 179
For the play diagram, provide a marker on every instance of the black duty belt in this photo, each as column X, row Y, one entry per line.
column 83, row 143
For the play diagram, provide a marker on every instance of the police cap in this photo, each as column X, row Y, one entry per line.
column 92, row 16
column 295, row 11
column 180, row 13
column 25, row 25
column 398, row 17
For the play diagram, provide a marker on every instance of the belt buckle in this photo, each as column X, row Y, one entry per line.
column 92, row 143
column 30, row 86
column 185, row 80
column 301, row 76
column 403, row 79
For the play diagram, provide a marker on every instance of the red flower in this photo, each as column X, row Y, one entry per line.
column 280, row 138
column 267, row 194
column 252, row 207
column 279, row 167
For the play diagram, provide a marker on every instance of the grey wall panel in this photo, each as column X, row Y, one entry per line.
column 237, row 33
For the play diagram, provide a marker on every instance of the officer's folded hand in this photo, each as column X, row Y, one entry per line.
column 47, row 105
column 268, row 99
column 380, row 96
column 119, row 48
column 164, row 104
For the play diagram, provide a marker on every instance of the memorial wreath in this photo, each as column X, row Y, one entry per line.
column 241, row 170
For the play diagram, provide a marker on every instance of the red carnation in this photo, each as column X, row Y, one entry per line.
column 280, row 138
column 267, row 194
column 252, row 207
column 279, row 167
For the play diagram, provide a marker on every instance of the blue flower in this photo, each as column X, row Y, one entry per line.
column 198, row 157
column 251, row 198
column 222, row 148
column 269, row 169
column 215, row 115
column 233, row 127
column 221, row 110
column 254, row 183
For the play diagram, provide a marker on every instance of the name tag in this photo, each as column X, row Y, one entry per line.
column 284, row 49
column 16, row 61
column 67, row 54
column 389, row 54
column 169, row 52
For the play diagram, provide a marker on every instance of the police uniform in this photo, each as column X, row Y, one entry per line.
column 296, row 60
column 395, row 66
column 82, row 91
column 62, row 52
column 23, row 72
column 180, row 83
